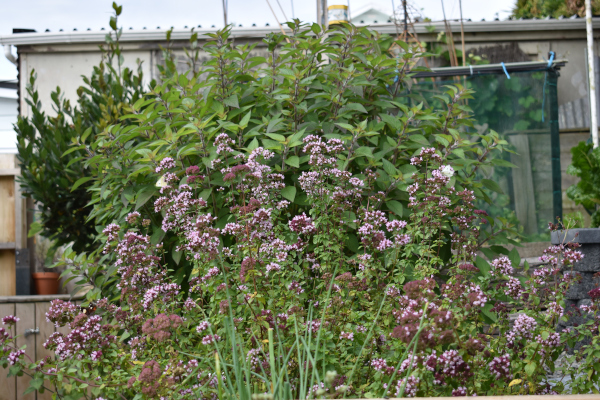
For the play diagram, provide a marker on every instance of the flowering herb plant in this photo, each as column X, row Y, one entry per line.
column 349, row 84
column 284, row 227
column 276, row 307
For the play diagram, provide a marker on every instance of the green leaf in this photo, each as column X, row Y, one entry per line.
column 345, row 126
column 356, row 107
column 276, row 136
column 187, row 102
column 514, row 258
column 34, row 229
column 81, row 181
column 205, row 194
column 37, row 383
column 30, row 389
column 157, row 236
column 395, row 206
column 392, row 121
column 415, row 137
column 124, row 336
column 486, row 310
column 253, row 145
column 245, row 120
column 14, row 370
column 72, row 149
column 352, row 243
column 293, row 161
column 232, row 101
column 498, row 162
column 364, row 151
column 492, row 185
column 483, row 266
column 289, row 193
column 176, row 255
column 389, row 168
column 530, row 368
column 144, row 196
column 86, row 133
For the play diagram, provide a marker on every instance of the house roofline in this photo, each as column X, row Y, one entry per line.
column 99, row 37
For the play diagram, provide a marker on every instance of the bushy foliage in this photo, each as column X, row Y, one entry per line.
column 53, row 173
column 345, row 85
column 285, row 227
column 586, row 166
column 276, row 307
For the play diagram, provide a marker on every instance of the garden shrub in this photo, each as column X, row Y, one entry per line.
column 345, row 85
column 283, row 227
column 275, row 306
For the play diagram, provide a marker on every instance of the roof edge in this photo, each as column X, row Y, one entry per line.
column 256, row 32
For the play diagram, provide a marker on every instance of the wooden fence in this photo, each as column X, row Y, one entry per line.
column 31, row 310
column 13, row 232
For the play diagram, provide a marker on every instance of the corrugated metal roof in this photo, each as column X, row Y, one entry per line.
column 143, row 35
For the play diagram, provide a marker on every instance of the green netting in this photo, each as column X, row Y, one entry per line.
column 524, row 111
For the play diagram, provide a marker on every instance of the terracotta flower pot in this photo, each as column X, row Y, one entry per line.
column 46, row 282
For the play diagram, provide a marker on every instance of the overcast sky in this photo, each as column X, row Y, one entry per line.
column 94, row 14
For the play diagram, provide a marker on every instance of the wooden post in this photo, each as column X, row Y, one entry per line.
column 13, row 232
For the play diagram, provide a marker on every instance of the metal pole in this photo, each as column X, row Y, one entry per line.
column 224, row 12
column 462, row 34
column 591, row 74
column 405, row 20
column 293, row 15
column 557, row 205
column 319, row 11
column 349, row 15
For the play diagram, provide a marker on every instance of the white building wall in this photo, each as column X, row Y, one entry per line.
column 66, row 70
column 8, row 116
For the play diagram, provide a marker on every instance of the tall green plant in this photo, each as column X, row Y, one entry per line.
column 586, row 192
column 53, row 172
column 345, row 85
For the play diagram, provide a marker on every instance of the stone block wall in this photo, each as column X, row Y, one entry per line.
column 577, row 295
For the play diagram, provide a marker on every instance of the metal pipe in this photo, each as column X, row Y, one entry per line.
column 9, row 55
column 591, row 73
column 319, row 12
column 462, row 35
column 489, row 68
column 224, row 12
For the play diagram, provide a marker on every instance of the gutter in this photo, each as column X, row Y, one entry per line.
column 140, row 35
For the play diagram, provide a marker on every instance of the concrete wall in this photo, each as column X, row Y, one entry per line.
column 65, row 70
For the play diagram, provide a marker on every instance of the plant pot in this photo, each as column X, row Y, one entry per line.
column 46, row 282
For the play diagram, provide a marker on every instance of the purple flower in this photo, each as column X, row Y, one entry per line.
column 203, row 326
column 165, row 163
column 209, row 339
column 500, row 367
column 13, row 357
column 502, row 266
column 10, row 320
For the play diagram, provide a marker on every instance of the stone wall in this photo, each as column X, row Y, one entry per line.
column 584, row 271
